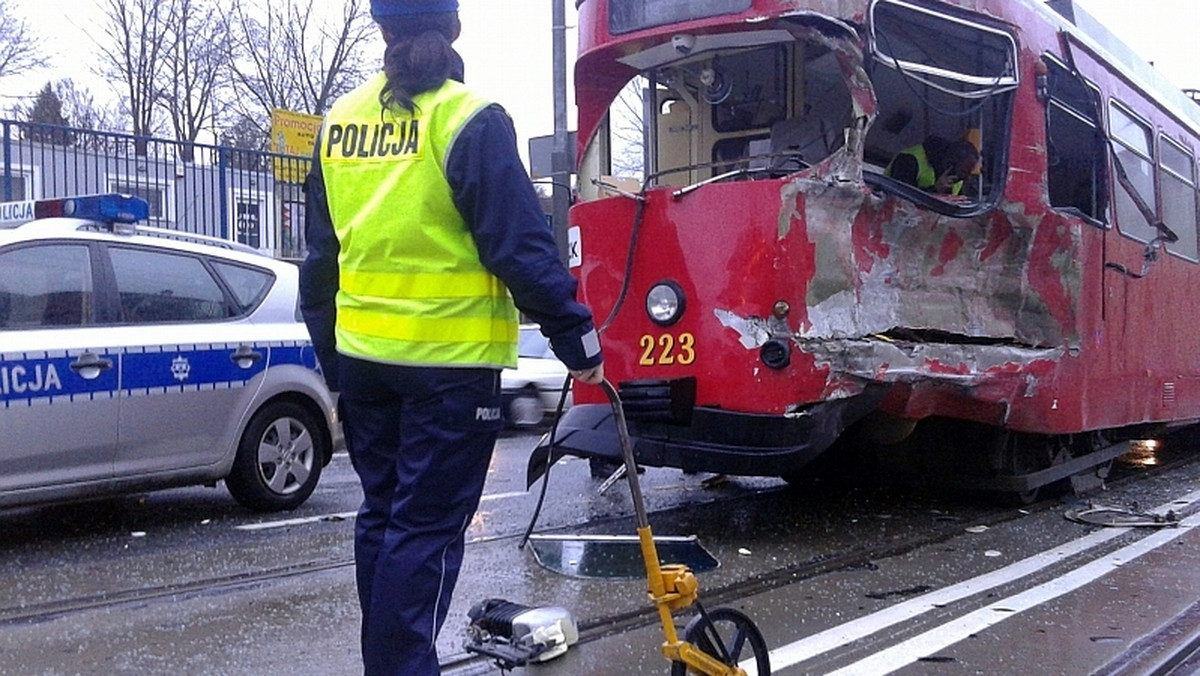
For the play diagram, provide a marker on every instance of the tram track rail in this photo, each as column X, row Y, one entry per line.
column 590, row 629
column 49, row 610
column 600, row 627
column 1173, row 650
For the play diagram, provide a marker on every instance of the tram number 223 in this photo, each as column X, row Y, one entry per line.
column 666, row 349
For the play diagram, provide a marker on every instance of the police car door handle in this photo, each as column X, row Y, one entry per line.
column 89, row 366
column 245, row 357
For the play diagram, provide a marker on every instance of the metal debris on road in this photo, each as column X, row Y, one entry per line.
column 1121, row 517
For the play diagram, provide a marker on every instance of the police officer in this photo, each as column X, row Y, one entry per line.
column 936, row 165
column 423, row 231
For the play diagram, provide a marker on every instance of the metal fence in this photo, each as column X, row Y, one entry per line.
column 239, row 195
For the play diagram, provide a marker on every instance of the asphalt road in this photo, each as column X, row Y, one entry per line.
column 186, row 582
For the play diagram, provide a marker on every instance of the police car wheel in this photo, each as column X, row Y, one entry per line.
column 525, row 409
column 279, row 459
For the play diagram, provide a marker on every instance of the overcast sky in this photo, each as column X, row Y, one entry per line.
column 1163, row 32
column 506, row 45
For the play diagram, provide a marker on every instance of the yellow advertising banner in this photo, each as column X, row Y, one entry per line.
column 293, row 134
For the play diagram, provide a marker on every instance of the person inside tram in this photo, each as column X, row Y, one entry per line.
column 936, row 165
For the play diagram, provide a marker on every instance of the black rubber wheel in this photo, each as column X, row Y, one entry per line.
column 728, row 635
column 525, row 408
column 279, row 459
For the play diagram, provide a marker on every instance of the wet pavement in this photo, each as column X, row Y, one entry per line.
column 1035, row 594
column 834, row 577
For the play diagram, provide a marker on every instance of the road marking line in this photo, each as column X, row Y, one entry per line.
column 343, row 515
column 502, row 496
column 834, row 637
column 296, row 522
column 938, row 638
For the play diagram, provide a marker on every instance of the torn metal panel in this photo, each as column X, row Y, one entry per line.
column 905, row 266
column 877, row 358
column 994, row 276
column 846, row 164
column 752, row 331
column 1000, row 288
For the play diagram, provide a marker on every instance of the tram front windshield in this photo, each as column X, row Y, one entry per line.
column 630, row 15
column 781, row 98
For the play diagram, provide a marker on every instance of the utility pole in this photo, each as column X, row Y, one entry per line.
column 560, row 157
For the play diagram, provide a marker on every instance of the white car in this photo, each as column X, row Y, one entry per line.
column 134, row 358
column 532, row 390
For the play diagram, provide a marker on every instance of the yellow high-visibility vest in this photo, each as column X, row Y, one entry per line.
column 412, row 288
column 926, row 176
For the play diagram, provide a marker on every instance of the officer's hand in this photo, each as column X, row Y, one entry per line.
column 945, row 182
column 592, row 376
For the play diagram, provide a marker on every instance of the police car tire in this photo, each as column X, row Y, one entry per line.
column 525, row 409
column 247, row 481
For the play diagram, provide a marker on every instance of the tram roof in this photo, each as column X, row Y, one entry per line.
column 1089, row 30
column 1064, row 15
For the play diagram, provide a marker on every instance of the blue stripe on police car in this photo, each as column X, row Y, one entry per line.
column 187, row 367
column 34, row 375
column 29, row 376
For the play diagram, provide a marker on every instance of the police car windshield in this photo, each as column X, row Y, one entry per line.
column 532, row 344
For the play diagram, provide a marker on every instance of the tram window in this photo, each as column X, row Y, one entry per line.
column 749, row 89
column 918, row 40
column 1133, row 151
column 1177, row 175
column 1073, row 148
column 935, row 74
column 631, row 15
column 673, row 150
column 732, row 153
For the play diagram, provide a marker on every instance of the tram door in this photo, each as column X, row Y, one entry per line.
column 1076, row 177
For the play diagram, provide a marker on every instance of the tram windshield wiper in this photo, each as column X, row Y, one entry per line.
column 719, row 177
column 616, row 190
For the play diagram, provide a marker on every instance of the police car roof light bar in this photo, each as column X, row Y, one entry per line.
column 108, row 208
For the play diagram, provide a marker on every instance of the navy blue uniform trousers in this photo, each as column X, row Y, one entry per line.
column 421, row 440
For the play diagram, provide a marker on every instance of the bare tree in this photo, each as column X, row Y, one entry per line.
column 193, row 67
column 18, row 44
column 627, row 128
column 85, row 113
column 137, row 33
column 287, row 56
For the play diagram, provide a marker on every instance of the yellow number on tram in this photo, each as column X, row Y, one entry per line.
column 666, row 350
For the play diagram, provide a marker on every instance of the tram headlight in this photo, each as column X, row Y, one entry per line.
column 665, row 303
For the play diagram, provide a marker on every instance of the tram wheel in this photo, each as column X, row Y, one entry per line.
column 728, row 635
column 1027, row 453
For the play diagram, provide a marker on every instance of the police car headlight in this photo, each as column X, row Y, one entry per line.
column 665, row 303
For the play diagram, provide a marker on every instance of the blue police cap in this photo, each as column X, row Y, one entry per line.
column 409, row 7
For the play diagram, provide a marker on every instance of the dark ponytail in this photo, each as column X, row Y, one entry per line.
column 418, row 57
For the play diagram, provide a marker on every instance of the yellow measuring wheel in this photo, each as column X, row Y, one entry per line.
column 715, row 642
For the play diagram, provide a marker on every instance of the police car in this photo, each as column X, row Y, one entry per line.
column 135, row 358
column 532, row 390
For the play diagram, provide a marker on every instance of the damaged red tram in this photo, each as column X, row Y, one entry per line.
column 768, row 292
